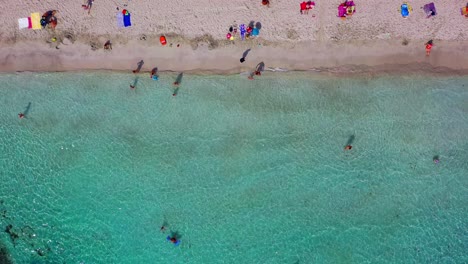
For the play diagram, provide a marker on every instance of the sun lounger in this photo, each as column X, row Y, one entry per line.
column 23, row 23
column 36, row 21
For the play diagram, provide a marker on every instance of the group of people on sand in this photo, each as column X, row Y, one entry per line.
column 48, row 18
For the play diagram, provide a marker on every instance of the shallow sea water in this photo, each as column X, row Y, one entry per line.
column 244, row 171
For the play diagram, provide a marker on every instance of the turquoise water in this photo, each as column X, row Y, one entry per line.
column 244, row 171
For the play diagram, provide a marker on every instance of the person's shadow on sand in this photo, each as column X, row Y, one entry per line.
column 260, row 67
column 139, row 66
column 244, row 55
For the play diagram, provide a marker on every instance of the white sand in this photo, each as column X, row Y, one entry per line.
column 373, row 36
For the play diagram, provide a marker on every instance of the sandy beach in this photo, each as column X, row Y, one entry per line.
column 375, row 36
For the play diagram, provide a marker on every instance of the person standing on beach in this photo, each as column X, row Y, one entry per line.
column 88, row 6
column 429, row 45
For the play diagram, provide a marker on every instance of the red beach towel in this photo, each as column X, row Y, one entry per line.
column 29, row 22
column 303, row 6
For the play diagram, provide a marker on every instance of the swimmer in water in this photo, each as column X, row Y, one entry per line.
column 162, row 229
column 348, row 147
column 21, row 115
column 132, row 86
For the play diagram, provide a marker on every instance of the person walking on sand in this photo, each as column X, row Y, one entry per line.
column 429, row 45
column 88, row 6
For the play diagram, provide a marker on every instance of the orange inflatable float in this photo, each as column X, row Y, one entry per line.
column 163, row 41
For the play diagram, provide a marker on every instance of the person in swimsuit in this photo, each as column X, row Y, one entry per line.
column 429, row 45
column 153, row 72
column 348, row 147
column 21, row 115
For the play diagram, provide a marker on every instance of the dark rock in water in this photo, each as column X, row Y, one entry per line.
column 4, row 255
column 13, row 235
column 27, row 231
column 40, row 252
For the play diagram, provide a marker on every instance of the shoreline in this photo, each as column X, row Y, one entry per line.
column 378, row 56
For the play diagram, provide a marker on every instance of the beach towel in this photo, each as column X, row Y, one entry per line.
column 303, row 6
column 126, row 20
column 23, row 23
column 36, row 21
column 29, row 22
column 120, row 20
column 429, row 9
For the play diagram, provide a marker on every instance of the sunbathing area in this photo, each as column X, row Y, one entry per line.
column 133, row 27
